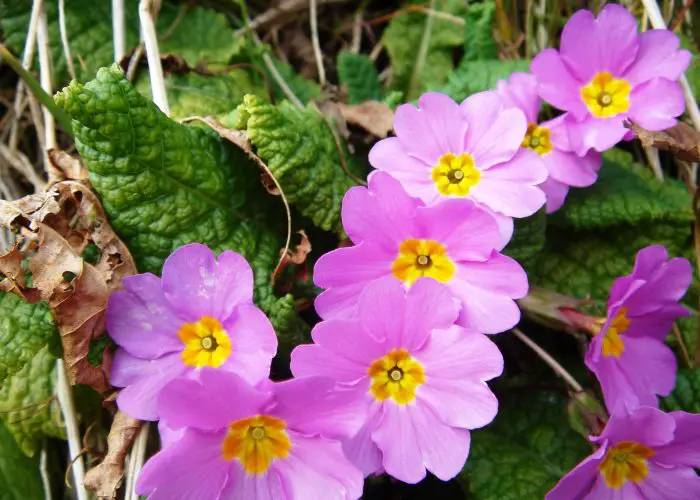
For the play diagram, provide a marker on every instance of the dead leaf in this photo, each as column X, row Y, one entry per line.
column 54, row 229
column 294, row 257
column 104, row 480
column 682, row 140
column 373, row 116
column 66, row 167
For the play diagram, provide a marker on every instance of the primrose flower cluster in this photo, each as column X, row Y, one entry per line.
column 396, row 377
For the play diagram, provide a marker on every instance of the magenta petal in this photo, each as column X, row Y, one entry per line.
column 649, row 260
column 484, row 311
column 468, row 231
column 577, row 483
column 526, row 167
column 501, row 141
column 140, row 320
column 361, row 450
column 482, row 110
column 314, row 406
column 196, row 283
column 317, row 469
column 645, row 425
column 347, row 266
column 218, row 398
column 339, row 302
column 556, row 194
column 168, row 435
column 346, row 339
column 244, row 486
column 513, row 199
column 395, row 436
column 389, row 155
column 601, row 491
column 430, row 305
column 571, row 169
column 309, row 360
column 444, row 449
column 599, row 134
column 655, row 104
column 521, row 92
column 253, row 344
column 658, row 56
column 500, row 274
column 191, row 468
column 684, row 451
column 382, row 214
column 445, row 119
column 678, row 483
column 382, row 310
column 557, row 85
column 459, row 403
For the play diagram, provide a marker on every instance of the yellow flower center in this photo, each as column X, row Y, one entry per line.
column 537, row 139
column 397, row 376
column 627, row 461
column 606, row 96
column 612, row 342
column 422, row 258
column 255, row 442
column 206, row 343
column 456, row 175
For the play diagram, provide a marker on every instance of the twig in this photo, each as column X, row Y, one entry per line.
column 313, row 13
column 422, row 53
column 134, row 62
column 118, row 29
column 138, row 455
column 553, row 363
column 541, row 11
column 64, row 38
column 155, row 70
column 45, row 72
column 652, row 155
column 681, row 344
column 27, row 59
column 357, row 32
column 21, row 163
column 681, row 14
column 65, row 401
column 43, row 470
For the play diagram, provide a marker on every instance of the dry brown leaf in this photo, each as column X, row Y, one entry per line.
column 294, row 257
column 373, row 116
column 65, row 166
column 682, row 140
column 104, row 480
column 54, row 229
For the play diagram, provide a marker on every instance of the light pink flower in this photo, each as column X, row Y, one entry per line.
column 444, row 150
column 605, row 72
column 454, row 242
column 421, row 378
column 550, row 140
column 629, row 356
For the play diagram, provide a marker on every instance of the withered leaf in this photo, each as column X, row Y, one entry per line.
column 373, row 116
column 297, row 256
column 66, row 167
column 104, row 479
column 682, row 140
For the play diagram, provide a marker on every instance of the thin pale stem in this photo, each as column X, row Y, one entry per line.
column 547, row 358
column 652, row 155
column 155, row 70
column 118, row 29
column 65, row 401
column 45, row 72
column 43, row 470
column 315, row 43
column 138, row 456
column 413, row 86
column 681, row 345
column 64, row 38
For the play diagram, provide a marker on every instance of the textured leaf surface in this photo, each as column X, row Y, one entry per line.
column 31, row 388
column 686, row 395
column 402, row 39
column 299, row 148
column 528, row 237
column 24, row 330
column 358, row 73
column 525, row 451
column 164, row 184
column 478, row 37
column 476, row 76
column 19, row 474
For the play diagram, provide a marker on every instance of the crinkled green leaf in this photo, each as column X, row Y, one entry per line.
column 402, row 39
column 479, row 43
column 357, row 72
column 595, row 236
column 476, row 76
column 525, row 451
column 164, row 184
column 31, row 388
column 686, row 395
column 19, row 474
column 193, row 94
column 88, row 29
column 528, row 237
column 299, row 148
column 24, row 330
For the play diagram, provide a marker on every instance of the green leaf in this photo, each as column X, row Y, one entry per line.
column 193, row 94
column 164, row 184
column 299, row 148
column 686, row 395
column 476, row 76
column 593, row 239
column 24, row 330
column 31, row 388
column 402, row 39
column 528, row 237
column 525, row 451
column 358, row 73
column 88, row 29
column 19, row 474
column 479, row 43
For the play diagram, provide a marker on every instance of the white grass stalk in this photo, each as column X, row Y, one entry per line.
column 65, row 401
column 155, row 70
column 43, row 470
column 313, row 19
column 138, row 455
column 118, row 29
column 64, row 38
column 45, row 77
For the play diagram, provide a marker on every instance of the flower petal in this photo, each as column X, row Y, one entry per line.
column 658, row 56
column 484, row 311
column 244, row 486
column 430, row 305
column 557, row 85
column 339, row 302
column 513, row 199
column 361, row 450
column 500, row 141
column 663, row 483
column 196, row 283
column 577, row 483
column 526, row 167
column 382, row 311
column 466, row 404
column 520, row 91
column 655, row 104
column 395, row 436
column 599, row 134
column 556, row 194
column 645, row 425
column 348, row 266
column 499, row 274
column 684, row 450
